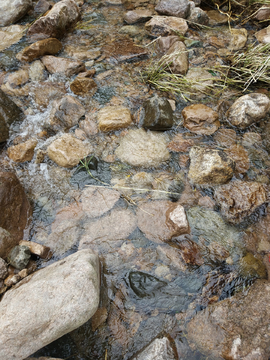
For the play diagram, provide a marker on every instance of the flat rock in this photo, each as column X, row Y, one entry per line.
column 166, row 25
column 67, row 151
column 49, row 303
column 248, row 109
column 40, row 48
column 22, row 152
column 178, row 8
column 209, row 166
column 141, row 148
column 159, row 349
column 138, row 15
column 10, row 35
column 63, row 66
column 200, row 119
column 111, row 118
column 239, row 199
column 13, row 10
column 240, row 156
column 83, row 86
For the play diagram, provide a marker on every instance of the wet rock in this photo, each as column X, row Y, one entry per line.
column 239, row 199
column 19, row 257
column 200, row 119
column 56, row 22
column 160, row 221
column 89, row 126
column 141, row 148
column 248, row 109
column 216, row 18
column 190, row 251
column 13, row 10
column 17, row 209
column 83, row 86
column 251, row 139
column 3, row 269
column 209, row 166
column 66, row 113
column 10, row 35
column 67, row 151
column 40, row 48
column 239, row 39
column 240, row 156
column 111, row 118
column 166, row 25
column 156, row 114
column 50, row 293
column 171, row 256
column 44, row 92
column 251, row 267
column 263, row 13
column 159, row 349
column 138, row 15
column 176, row 8
column 42, row 251
column 124, row 50
column 18, row 78
column 81, row 53
column 99, row 318
column 63, row 66
column 180, row 144
column 198, row 16
column 225, row 137
column 42, row 7
column 177, row 58
column 234, row 327
column 263, row 36
column 22, row 152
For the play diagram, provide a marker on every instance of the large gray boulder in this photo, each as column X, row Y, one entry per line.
column 12, row 10
column 48, row 304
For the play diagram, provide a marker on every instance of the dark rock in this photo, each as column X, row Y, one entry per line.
column 19, row 257
column 144, row 285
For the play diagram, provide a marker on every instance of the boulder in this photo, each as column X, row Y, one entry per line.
column 48, row 304
column 111, row 118
column 63, row 66
column 138, row 15
column 248, row 109
column 40, row 48
column 10, row 35
column 67, row 151
column 178, row 8
column 56, row 22
column 209, row 166
column 22, row 152
column 177, row 58
column 83, row 86
column 13, row 10
column 200, row 119
column 166, row 25
column 239, row 199
column 159, row 349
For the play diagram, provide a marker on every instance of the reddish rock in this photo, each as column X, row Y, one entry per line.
column 240, row 157
column 200, row 119
column 190, row 251
column 40, row 48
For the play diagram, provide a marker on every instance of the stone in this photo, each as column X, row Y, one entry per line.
column 162, row 220
column 225, row 137
column 248, row 109
column 19, row 257
column 49, row 303
column 81, row 52
column 67, row 151
column 12, row 280
column 44, row 252
column 138, row 15
column 207, row 202
column 159, row 349
column 56, row 22
column 251, row 139
column 201, row 81
column 42, row 7
column 88, row 126
column 180, row 144
column 239, row 39
column 178, row 8
column 251, row 267
column 99, row 318
column 200, row 119
column 63, row 66
column 13, row 10
column 257, row 237
column 45, row 92
column 197, row 16
column 22, row 152
column 17, row 209
column 156, row 114
column 240, row 156
column 209, row 166
column 96, row 202
column 165, row 42
column 7, row 242
column 3, row 269
column 236, row 327
column 38, row 49
column 263, row 36
column 83, row 86
column 190, row 251
column 124, row 50
column 166, row 25
column 263, row 13
column 239, row 199
column 37, row 71
column 177, row 60
column 171, row 256
column 65, row 113
column 18, row 78
column 112, row 118
column 10, row 35
column 216, row 18
column 141, row 148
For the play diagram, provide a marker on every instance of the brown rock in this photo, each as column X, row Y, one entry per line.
column 124, row 50
column 62, row 65
column 138, row 15
column 111, row 118
column 40, row 48
column 190, row 251
column 40, row 250
column 251, row 139
column 89, row 126
column 166, row 25
column 263, row 36
column 263, row 13
column 240, row 157
column 216, row 18
column 22, row 152
column 257, row 236
column 239, row 39
column 239, row 199
column 180, row 144
column 178, row 58
column 83, row 86
column 81, row 52
column 200, row 119
column 183, row 160
column 18, row 78
column 45, row 92
column 225, row 137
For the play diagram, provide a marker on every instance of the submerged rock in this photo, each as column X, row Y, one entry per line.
column 200, row 119
column 225, row 137
column 22, row 152
column 166, row 25
column 48, row 304
column 179, row 8
column 13, row 10
column 159, row 349
column 111, row 118
column 40, row 48
column 240, row 156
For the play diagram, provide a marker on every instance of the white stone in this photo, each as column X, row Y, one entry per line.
column 178, row 217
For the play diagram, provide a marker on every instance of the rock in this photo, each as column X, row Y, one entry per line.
column 10, row 35
column 124, row 50
column 17, row 209
column 22, row 152
column 162, row 220
column 209, row 166
column 190, row 251
column 240, row 156
column 234, row 328
column 177, row 59
column 66, row 113
column 80, row 52
column 44, row 92
column 257, row 236
column 171, row 256
column 13, row 10
column 83, row 86
column 63, row 66
column 178, row 8
column 225, row 137
column 251, row 267
column 165, row 42
column 42, row 251
column 50, row 303
column 207, row 202
column 111, row 118
column 138, row 15
column 251, row 139
column 248, row 109
column 19, row 257
column 159, row 349
column 262, row 13
column 40, row 48
column 201, row 81
column 141, row 148
column 239, row 199
column 198, row 16
column 12, row 280
column 88, row 126
column 156, row 114
column 180, row 144
column 166, row 25
column 18, row 78
column 200, row 119
column 239, row 39
column 7, row 242
column 42, row 7
column 263, row 36
column 216, row 18
column 56, row 22
column 3, row 269
column 99, row 318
